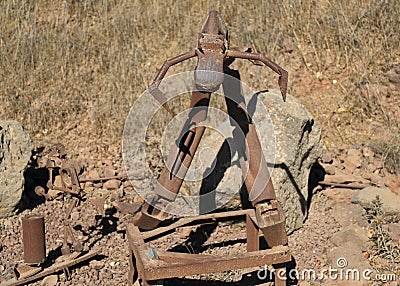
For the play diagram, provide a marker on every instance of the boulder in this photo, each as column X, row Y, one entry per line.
column 390, row 201
column 349, row 260
column 291, row 142
column 15, row 151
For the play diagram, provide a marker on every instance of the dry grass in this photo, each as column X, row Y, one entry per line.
column 69, row 63
column 382, row 244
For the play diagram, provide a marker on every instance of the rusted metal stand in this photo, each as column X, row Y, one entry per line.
column 148, row 265
column 214, row 58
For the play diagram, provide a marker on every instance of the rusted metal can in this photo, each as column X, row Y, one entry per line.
column 33, row 233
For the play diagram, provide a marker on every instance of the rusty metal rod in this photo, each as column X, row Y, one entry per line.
column 103, row 179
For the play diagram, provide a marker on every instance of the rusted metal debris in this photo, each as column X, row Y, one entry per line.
column 214, row 57
column 147, row 264
column 26, row 273
column 33, row 233
column 101, row 179
column 64, row 182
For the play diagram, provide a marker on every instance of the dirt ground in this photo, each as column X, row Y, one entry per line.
column 309, row 245
column 364, row 119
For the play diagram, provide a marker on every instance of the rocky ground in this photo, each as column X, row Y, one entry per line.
column 335, row 228
column 72, row 70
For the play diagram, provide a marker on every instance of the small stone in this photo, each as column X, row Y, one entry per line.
column 93, row 174
column 7, row 223
column 379, row 164
column 109, row 171
column 50, row 280
column 347, row 214
column 367, row 152
column 121, row 192
column 75, row 215
column 341, row 177
column 89, row 189
column 127, row 184
column 96, row 264
column 394, row 231
column 98, row 185
column 329, row 169
column 327, row 158
column 184, row 232
column 393, row 76
column 112, row 184
column 370, row 168
column 352, row 160
column 88, row 184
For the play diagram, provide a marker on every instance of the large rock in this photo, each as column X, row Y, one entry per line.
column 349, row 260
column 390, row 201
column 15, row 152
column 290, row 155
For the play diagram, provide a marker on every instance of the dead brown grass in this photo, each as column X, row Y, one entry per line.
column 70, row 63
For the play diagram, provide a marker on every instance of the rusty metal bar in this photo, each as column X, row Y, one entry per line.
column 100, row 179
column 279, row 254
column 184, row 221
column 253, row 237
column 33, row 232
column 280, row 269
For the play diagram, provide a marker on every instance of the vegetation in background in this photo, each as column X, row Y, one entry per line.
column 382, row 244
column 70, row 63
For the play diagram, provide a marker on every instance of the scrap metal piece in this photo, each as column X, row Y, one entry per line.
column 33, row 233
column 25, row 270
column 271, row 220
column 63, row 181
column 50, row 270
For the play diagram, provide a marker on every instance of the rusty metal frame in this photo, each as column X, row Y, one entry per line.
column 148, row 265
